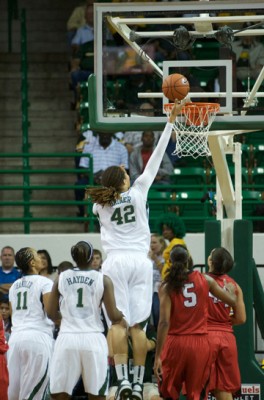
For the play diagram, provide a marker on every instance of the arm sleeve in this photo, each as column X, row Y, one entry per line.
column 146, row 179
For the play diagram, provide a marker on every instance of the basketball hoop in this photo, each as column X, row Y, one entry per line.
column 192, row 128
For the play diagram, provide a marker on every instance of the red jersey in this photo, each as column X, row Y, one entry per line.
column 219, row 312
column 189, row 308
column 3, row 342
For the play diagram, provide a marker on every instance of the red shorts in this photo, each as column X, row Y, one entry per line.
column 185, row 359
column 225, row 374
column 4, row 380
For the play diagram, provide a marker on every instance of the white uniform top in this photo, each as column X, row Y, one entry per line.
column 25, row 296
column 80, row 302
column 124, row 226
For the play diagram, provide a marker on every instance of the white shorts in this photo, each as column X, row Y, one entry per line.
column 28, row 361
column 131, row 274
column 81, row 354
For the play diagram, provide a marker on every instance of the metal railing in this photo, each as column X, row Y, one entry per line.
column 27, row 189
column 12, row 14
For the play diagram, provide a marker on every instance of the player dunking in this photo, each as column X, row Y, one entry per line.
column 183, row 353
column 125, row 239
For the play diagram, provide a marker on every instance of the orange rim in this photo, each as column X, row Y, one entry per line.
column 211, row 107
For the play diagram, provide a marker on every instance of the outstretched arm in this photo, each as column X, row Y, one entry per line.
column 146, row 179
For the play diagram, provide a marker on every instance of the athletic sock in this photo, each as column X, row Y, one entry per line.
column 121, row 372
column 139, row 371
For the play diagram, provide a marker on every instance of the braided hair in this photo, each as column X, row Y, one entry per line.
column 23, row 258
column 222, row 261
column 177, row 275
column 82, row 253
column 112, row 182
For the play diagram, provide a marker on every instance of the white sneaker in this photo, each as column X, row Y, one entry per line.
column 124, row 390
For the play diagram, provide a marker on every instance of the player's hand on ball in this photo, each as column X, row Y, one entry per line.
column 176, row 110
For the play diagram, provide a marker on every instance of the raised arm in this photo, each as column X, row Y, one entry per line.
column 146, row 179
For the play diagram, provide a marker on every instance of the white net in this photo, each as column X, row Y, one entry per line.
column 192, row 128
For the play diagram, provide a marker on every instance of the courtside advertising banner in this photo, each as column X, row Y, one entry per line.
column 249, row 391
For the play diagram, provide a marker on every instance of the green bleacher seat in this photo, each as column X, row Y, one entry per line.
column 160, row 202
column 84, row 111
column 259, row 155
column 244, row 175
column 193, row 210
column 251, row 199
column 204, row 74
column 189, row 178
column 85, row 127
column 248, row 151
column 84, row 91
column 255, row 138
column 258, row 176
column 206, row 50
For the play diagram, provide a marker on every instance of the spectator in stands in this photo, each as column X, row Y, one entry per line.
column 106, row 152
column 8, row 273
column 157, row 246
column 6, row 316
column 97, row 260
column 249, row 56
column 225, row 380
column 76, row 20
column 140, row 156
column 31, row 340
column 133, row 139
column 47, row 269
column 4, row 380
column 82, row 63
column 64, row 265
column 172, row 228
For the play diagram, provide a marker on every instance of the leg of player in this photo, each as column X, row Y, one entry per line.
column 221, row 395
column 60, row 396
column 93, row 397
column 139, row 342
column 120, row 350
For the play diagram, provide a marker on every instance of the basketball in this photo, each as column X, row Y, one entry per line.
column 175, row 86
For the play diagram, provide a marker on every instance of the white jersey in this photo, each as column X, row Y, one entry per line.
column 124, row 226
column 80, row 303
column 25, row 296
